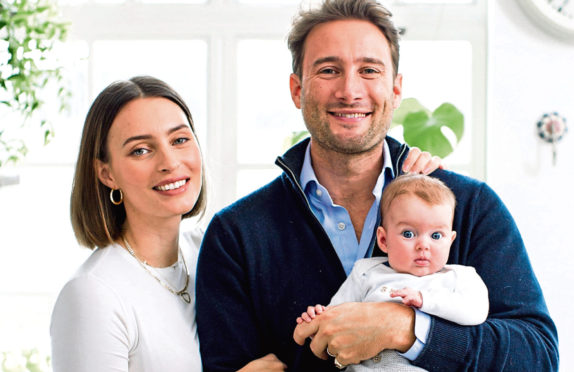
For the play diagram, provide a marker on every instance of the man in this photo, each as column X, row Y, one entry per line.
column 292, row 243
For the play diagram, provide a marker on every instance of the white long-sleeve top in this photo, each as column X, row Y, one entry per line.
column 114, row 316
column 455, row 293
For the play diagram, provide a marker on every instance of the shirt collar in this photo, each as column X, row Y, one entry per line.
column 308, row 174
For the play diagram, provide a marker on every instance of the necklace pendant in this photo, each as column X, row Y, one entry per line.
column 186, row 297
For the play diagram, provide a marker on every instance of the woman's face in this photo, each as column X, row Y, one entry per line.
column 154, row 159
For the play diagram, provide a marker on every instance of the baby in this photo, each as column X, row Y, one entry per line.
column 416, row 234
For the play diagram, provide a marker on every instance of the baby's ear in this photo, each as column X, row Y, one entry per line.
column 382, row 239
column 453, row 236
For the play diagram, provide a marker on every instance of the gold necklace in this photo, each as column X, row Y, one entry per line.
column 182, row 293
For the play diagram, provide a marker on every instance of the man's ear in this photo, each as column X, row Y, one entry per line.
column 104, row 174
column 295, row 86
column 397, row 91
column 382, row 239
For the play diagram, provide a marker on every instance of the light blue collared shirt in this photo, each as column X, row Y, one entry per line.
column 337, row 224
column 335, row 218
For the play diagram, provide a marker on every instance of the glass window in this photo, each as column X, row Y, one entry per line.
column 445, row 76
column 266, row 114
column 181, row 64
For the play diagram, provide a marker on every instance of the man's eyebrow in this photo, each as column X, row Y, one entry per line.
column 326, row 60
column 148, row 136
column 338, row 59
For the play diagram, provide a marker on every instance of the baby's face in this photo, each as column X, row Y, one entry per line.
column 416, row 235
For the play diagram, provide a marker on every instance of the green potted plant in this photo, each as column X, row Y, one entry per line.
column 29, row 31
column 424, row 129
column 421, row 127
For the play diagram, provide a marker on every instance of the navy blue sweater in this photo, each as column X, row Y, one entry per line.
column 266, row 257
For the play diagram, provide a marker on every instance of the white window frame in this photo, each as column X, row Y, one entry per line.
column 222, row 23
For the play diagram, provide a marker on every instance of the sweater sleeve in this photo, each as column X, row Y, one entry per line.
column 225, row 314
column 519, row 334
column 88, row 329
column 465, row 304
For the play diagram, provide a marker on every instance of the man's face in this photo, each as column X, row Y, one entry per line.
column 347, row 92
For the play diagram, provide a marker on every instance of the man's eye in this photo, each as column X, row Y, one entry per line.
column 370, row 71
column 328, row 71
column 408, row 234
column 436, row 235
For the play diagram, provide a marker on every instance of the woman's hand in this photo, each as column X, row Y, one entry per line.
column 421, row 162
column 267, row 363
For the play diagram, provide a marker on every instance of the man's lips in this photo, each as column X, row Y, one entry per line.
column 350, row 115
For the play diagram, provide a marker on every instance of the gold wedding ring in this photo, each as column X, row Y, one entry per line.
column 329, row 353
column 338, row 364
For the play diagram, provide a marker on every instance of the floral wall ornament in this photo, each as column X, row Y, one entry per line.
column 551, row 128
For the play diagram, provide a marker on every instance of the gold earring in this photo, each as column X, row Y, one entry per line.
column 112, row 197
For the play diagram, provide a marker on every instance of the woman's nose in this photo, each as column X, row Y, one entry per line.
column 168, row 160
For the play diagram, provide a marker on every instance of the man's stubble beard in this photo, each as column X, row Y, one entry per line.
column 322, row 135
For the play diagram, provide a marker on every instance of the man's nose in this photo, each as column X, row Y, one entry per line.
column 350, row 88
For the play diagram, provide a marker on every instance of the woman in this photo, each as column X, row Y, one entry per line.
column 131, row 305
column 139, row 172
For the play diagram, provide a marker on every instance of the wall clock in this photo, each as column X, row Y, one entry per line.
column 555, row 16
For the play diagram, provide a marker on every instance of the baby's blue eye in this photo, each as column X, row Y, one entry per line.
column 408, row 234
column 436, row 235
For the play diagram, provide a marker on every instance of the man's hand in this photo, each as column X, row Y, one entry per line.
column 358, row 331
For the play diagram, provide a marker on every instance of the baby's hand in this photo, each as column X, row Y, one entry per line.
column 312, row 312
column 410, row 296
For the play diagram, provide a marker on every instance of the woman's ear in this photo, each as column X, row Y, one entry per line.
column 104, row 174
column 382, row 239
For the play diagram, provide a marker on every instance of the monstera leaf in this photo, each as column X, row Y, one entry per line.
column 423, row 129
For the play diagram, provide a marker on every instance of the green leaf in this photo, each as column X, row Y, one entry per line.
column 448, row 115
column 424, row 131
column 408, row 105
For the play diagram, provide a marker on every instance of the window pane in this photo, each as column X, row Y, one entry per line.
column 445, row 76
column 181, row 64
column 265, row 108
column 66, row 126
column 270, row 2
column 249, row 180
column 409, row 2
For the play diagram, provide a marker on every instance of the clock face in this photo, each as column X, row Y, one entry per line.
column 556, row 16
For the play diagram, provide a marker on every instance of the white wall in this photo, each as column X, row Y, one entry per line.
column 530, row 72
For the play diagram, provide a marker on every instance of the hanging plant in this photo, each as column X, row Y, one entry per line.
column 29, row 31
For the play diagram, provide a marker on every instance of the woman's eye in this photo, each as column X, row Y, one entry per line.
column 436, row 235
column 140, row 152
column 408, row 234
column 181, row 140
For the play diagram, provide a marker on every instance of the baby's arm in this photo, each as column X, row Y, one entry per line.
column 311, row 313
column 410, row 296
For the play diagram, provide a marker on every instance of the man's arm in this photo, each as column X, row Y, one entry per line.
column 224, row 311
column 359, row 331
column 519, row 334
